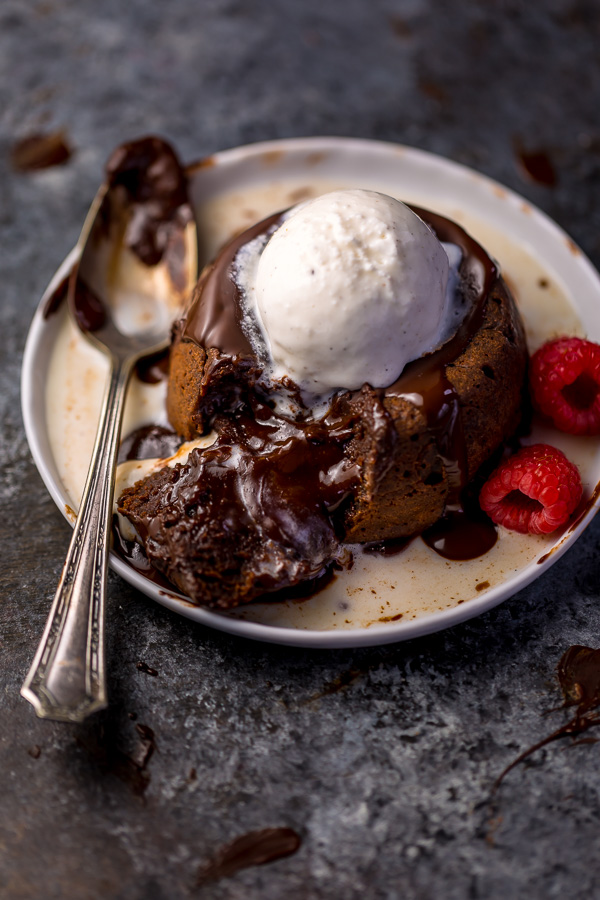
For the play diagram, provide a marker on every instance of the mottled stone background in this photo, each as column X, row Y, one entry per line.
column 381, row 759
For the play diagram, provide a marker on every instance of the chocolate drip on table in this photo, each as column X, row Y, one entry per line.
column 579, row 678
column 217, row 322
column 256, row 848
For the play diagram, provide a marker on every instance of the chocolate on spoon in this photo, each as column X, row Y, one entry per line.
column 138, row 261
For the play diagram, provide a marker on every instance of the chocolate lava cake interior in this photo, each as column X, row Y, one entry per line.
column 277, row 496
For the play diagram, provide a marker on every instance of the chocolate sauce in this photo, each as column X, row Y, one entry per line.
column 57, row 297
column 387, row 548
column 579, row 679
column 460, row 536
column 134, row 555
column 155, row 184
column 88, row 309
column 538, row 166
column 100, row 739
column 142, row 666
column 40, row 151
column 256, row 848
column 149, row 442
column 255, row 505
column 153, row 369
column 215, row 317
column 144, row 208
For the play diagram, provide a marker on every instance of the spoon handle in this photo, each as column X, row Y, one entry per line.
column 66, row 681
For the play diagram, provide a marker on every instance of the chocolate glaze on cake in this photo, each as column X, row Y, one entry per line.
column 267, row 505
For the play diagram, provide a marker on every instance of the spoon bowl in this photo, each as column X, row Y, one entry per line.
column 137, row 264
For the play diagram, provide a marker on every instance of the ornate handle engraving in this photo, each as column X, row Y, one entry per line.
column 66, row 681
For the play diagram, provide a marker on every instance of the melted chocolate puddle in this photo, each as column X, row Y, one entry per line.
column 256, row 848
column 579, row 679
column 387, row 548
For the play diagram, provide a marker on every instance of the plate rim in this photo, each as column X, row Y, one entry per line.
column 376, row 634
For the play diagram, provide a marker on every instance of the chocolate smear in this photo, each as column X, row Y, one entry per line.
column 146, row 747
column 131, row 769
column 151, row 176
column 142, row 666
column 57, row 297
column 153, row 369
column 149, row 442
column 88, row 309
column 252, row 849
column 579, row 679
column 40, row 151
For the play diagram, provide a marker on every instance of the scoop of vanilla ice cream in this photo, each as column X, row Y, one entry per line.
column 348, row 289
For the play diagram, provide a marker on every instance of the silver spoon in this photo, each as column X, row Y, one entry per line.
column 138, row 262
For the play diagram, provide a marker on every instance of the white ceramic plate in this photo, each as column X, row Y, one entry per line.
column 381, row 599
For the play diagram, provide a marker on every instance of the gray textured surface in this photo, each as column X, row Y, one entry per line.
column 387, row 779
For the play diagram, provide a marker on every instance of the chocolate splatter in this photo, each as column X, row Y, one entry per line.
column 131, row 769
column 88, row 308
column 142, row 666
column 57, row 297
column 40, row 151
column 252, row 849
column 401, row 28
column 579, row 679
column 537, row 166
column 339, row 683
column 146, row 748
column 35, row 752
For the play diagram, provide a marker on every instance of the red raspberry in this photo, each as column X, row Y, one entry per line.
column 564, row 378
column 534, row 491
